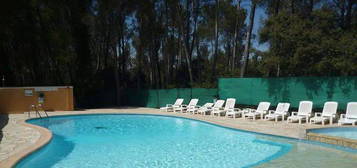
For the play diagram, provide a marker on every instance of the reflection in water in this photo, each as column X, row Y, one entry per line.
column 52, row 153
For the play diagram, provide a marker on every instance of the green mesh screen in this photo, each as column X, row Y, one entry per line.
column 166, row 96
column 160, row 97
column 204, row 95
column 185, row 94
column 251, row 91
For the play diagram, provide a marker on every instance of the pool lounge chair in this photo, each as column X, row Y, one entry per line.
column 198, row 109
column 217, row 106
column 262, row 109
column 230, row 103
column 234, row 112
column 351, row 114
column 304, row 112
column 183, row 108
column 328, row 114
column 170, row 107
column 281, row 111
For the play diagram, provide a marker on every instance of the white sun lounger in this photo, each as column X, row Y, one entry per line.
column 217, row 106
column 183, row 108
column 198, row 109
column 170, row 107
column 351, row 114
column 304, row 112
column 262, row 109
column 281, row 111
column 229, row 106
column 328, row 114
column 234, row 112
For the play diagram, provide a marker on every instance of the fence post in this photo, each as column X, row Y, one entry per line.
column 191, row 93
column 158, row 98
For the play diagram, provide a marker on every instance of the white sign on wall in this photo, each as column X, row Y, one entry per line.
column 28, row 92
column 45, row 89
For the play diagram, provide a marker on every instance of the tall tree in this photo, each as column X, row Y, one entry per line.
column 247, row 39
column 215, row 56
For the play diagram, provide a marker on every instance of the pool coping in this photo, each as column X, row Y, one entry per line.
column 45, row 138
column 329, row 139
column 46, row 135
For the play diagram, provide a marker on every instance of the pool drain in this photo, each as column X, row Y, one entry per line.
column 99, row 127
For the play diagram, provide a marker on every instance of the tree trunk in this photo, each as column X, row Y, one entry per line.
column 116, row 76
column 277, row 7
column 311, row 7
column 235, row 44
column 292, row 6
column 216, row 42
column 248, row 38
column 185, row 40
column 187, row 56
column 349, row 13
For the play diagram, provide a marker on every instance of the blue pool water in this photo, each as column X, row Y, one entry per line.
column 103, row 141
column 345, row 132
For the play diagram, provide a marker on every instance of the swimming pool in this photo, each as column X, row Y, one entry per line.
column 345, row 132
column 103, row 141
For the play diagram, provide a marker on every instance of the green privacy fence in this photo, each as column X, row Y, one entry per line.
column 160, row 97
column 250, row 91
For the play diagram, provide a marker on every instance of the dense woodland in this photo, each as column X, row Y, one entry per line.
column 118, row 44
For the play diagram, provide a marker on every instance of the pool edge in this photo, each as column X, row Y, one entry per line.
column 45, row 138
column 328, row 139
column 46, row 135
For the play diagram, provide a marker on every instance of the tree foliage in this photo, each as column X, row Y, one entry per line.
column 118, row 44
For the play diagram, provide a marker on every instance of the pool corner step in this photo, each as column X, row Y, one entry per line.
column 345, row 142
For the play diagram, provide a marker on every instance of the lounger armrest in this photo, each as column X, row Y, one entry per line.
column 343, row 116
column 176, row 106
column 318, row 114
column 237, row 109
column 169, row 105
column 191, row 107
column 247, row 110
column 217, row 108
column 230, row 110
column 271, row 111
column 294, row 113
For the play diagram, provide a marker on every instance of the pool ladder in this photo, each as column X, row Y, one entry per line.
column 36, row 109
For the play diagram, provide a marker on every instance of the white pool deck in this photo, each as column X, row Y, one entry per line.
column 18, row 137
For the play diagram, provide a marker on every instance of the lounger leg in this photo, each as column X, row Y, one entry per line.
column 276, row 118
column 299, row 120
